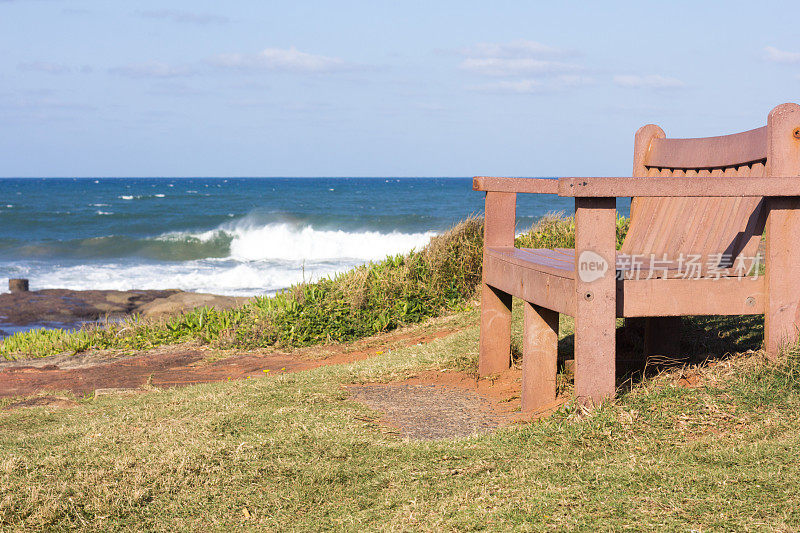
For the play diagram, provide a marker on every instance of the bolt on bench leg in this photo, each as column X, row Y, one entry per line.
column 539, row 357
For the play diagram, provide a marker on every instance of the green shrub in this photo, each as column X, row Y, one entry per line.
column 557, row 231
column 375, row 297
column 379, row 296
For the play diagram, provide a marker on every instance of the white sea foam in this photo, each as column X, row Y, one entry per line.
column 229, row 277
column 263, row 258
column 140, row 196
column 251, row 241
column 105, row 213
column 283, row 241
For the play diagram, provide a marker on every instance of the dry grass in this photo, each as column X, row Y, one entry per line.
column 711, row 447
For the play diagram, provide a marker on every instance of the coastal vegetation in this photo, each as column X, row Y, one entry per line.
column 706, row 442
column 708, row 447
column 379, row 296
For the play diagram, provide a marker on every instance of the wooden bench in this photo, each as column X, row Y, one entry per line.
column 706, row 200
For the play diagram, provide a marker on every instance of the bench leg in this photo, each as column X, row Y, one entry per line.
column 595, row 357
column 539, row 357
column 595, row 299
column 495, row 343
column 781, row 318
column 662, row 336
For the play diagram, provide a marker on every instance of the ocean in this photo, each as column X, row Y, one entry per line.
column 232, row 236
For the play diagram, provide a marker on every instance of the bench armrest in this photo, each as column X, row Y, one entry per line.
column 679, row 187
column 523, row 185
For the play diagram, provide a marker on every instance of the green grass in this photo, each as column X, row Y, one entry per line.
column 298, row 455
column 294, row 453
column 558, row 231
column 381, row 296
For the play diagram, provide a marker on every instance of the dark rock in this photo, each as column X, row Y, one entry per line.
column 63, row 305
column 18, row 285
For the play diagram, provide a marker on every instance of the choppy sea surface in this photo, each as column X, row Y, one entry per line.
column 235, row 236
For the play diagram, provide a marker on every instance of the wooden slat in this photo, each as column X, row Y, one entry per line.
column 726, row 236
column 660, row 221
column 527, row 259
column 681, row 297
column 537, row 287
column 523, row 185
column 709, row 152
column 559, row 255
column 647, row 208
column 615, row 187
column 752, row 210
column 697, row 222
column 735, row 219
column 558, row 263
column 713, row 226
column 635, row 298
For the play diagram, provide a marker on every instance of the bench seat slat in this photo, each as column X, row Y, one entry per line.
column 530, row 275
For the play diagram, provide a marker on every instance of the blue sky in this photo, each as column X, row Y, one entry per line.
column 378, row 88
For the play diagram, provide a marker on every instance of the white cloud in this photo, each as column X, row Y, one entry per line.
column 496, row 66
column 152, row 69
column 523, row 63
column 43, row 66
column 651, row 81
column 514, row 49
column 532, row 86
column 774, row 55
column 511, row 86
column 280, row 59
column 174, row 15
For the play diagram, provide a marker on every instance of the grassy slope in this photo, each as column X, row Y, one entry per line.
column 298, row 455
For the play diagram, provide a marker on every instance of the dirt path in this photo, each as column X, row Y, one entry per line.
column 178, row 366
column 429, row 405
column 435, row 404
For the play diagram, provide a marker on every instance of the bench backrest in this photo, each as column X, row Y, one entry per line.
column 707, row 227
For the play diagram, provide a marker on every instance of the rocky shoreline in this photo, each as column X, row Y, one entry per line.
column 63, row 308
